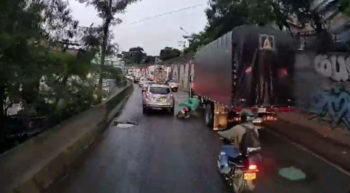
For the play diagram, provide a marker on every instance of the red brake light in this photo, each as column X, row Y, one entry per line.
column 238, row 110
column 238, row 119
column 248, row 70
column 148, row 97
column 283, row 72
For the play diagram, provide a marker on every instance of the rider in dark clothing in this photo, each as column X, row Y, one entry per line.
column 243, row 136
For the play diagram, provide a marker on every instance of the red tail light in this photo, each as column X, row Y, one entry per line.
column 238, row 109
column 148, row 97
column 248, row 70
column 237, row 119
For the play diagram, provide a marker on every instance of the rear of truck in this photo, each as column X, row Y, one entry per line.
column 248, row 69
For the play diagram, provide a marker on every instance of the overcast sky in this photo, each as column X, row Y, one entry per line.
column 143, row 26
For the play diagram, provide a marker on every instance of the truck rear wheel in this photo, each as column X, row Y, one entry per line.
column 209, row 114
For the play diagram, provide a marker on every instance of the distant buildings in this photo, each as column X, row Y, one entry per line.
column 116, row 62
column 113, row 60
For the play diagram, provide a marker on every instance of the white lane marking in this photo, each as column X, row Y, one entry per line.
column 339, row 168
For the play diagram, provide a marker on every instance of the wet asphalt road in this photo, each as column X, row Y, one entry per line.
column 162, row 154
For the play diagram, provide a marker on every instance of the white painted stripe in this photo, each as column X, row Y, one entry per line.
column 339, row 168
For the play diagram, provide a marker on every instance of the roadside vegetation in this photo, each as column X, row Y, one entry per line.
column 47, row 68
column 224, row 15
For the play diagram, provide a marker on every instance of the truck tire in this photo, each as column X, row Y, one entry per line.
column 209, row 115
column 191, row 93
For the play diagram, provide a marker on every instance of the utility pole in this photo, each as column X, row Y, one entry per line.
column 185, row 36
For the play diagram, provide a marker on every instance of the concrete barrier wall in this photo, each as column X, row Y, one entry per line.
column 34, row 165
column 322, row 87
column 182, row 72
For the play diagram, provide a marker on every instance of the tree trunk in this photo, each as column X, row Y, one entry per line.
column 103, row 49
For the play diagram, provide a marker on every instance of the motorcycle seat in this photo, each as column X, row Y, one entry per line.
column 230, row 151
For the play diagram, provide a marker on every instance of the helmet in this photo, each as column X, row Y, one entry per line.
column 244, row 116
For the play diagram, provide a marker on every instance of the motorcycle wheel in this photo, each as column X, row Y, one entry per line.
column 179, row 115
column 249, row 186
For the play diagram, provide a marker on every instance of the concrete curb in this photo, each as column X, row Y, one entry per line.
column 32, row 166
column 323, row 129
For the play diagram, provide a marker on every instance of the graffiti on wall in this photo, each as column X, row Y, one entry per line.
column 333, row 102
column 336, row 67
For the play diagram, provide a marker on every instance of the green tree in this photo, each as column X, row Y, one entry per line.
column 135, row 55
column 20, row 32
column 150, row 59
column 59, row 24
column 21, row 55
column 107, row 10
column 168, row 53
column 36, row 70
column 345, row 7
column 224, row 15
column 303, row 12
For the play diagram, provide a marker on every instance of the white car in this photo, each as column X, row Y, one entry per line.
column 173, row 85
column 158, row 96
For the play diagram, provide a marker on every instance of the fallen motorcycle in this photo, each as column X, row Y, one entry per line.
column 185, row 109
column 184, row 113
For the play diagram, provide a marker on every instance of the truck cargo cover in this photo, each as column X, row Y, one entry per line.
column 249, row 66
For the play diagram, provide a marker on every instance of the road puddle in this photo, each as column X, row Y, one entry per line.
column 124, row 124
column 292, row 173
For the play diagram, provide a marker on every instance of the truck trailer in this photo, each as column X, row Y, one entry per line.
column 248, row 69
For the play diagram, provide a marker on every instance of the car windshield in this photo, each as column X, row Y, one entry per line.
column 159, row 90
